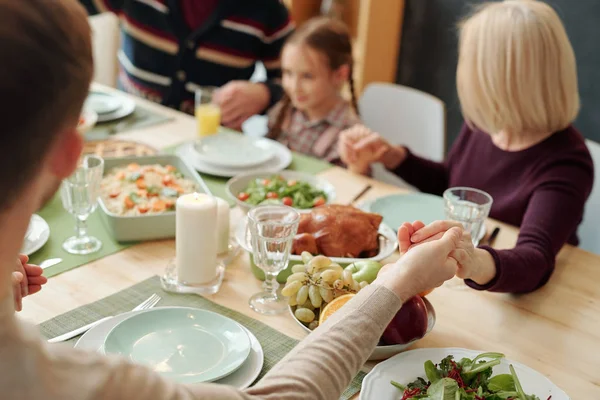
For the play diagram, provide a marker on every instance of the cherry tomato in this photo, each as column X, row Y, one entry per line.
column 292, row 182
column 243, row 196
column 265, row 182
column 319, row 201
column 287, row 201
column 272, row 195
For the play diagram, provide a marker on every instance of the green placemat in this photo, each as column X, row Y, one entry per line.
column 62, row 226
column 141, row 118
column 274, row 343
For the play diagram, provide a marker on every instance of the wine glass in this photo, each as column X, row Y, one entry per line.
column 79, row 194
column 272, row 229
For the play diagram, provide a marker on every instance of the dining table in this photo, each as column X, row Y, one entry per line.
column 555, row 330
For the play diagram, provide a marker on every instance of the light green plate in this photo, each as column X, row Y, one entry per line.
column 397, row 209
column 400, row 208
column 187, row 345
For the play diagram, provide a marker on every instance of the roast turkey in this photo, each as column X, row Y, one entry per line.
column 338, row 231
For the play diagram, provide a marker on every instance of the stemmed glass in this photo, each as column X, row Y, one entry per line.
column 272, row 229
column 79, row 194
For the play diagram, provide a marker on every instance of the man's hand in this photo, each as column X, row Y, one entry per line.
column 240, row 100
column 26, row 279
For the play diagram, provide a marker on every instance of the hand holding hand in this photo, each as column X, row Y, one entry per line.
column 359, row 147
column 239, row 100
column 423, row 267
column 475, row 264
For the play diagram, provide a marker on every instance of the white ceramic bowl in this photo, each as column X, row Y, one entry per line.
column 385, row 352
column 239, row 183
column 90, row 118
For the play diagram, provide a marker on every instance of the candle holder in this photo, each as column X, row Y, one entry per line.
column 171, row 283
column 233, row 250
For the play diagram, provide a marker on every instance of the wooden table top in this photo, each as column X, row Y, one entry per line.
column 555, row 330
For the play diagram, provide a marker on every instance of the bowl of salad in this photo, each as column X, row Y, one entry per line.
column 295, row 189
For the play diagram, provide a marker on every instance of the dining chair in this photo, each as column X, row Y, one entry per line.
column 403, row 115
column 589, row 230
column 105, row 45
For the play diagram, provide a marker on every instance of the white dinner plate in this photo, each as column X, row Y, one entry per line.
column 241, row 378
column 408, row 366
column 234, row 150
column 126, row 107
column 103, row 103
column 38, row 233
column 281, row 159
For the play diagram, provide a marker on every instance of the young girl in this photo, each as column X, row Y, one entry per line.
column 517, row 85
column 316, row 63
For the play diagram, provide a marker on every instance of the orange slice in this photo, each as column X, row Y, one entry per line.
column 333, row 306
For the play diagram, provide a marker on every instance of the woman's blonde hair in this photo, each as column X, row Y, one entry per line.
column 516, row 69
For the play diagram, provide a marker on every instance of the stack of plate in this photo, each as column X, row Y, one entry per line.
column 187, row 345
column 229, row 154
column 109, row 106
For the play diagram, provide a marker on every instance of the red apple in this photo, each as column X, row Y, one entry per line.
column 408, row 324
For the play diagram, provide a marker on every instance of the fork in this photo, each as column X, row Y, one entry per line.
column 146, row 305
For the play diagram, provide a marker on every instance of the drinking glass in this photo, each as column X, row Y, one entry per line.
column 208, row 113
column 79, row 194
column 470, row 207
column 272, row 229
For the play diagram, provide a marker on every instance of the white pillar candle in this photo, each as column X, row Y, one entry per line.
column 223, row 226
column 195, row 239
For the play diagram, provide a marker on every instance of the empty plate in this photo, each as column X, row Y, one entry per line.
column 187, row 345
column 242, row 378
column 280, row 161
column 234, row 150
column 103, row 103
column 397, row 209
column 38, row 233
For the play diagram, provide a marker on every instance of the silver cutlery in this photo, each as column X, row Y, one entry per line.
column 50, row 262
column 360, row 195
column 146, row 305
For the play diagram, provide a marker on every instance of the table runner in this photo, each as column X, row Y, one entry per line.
column 274, row 343
column 140, row 118
column 62, row 224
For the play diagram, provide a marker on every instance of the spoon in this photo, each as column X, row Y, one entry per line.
column 50, row 262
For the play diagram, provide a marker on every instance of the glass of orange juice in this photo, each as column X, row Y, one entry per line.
column 208, row 113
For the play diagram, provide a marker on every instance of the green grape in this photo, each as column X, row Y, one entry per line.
column 313, row 325
column 302, row 294
column 315, row 296
column 326, row 294
column 292, row 301
column 316, row 276
column 291, row 288
column 347, row 278
column 334, row 267
column 304, row 315
column 364, row 284
column 306, row 257
column 298, row 276
column 338, row 284
column 308, row 304
column 330, row 276
column 319, row 263
column 299, row 268
column 355, row 286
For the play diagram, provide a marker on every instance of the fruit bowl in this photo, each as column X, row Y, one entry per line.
column 382, row 352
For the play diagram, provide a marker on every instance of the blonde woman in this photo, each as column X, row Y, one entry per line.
column 517, row 84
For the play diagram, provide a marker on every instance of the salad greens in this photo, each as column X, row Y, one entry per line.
column 278, row 190
column 465, row 380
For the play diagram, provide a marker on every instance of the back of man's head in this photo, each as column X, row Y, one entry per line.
column 45, row 70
